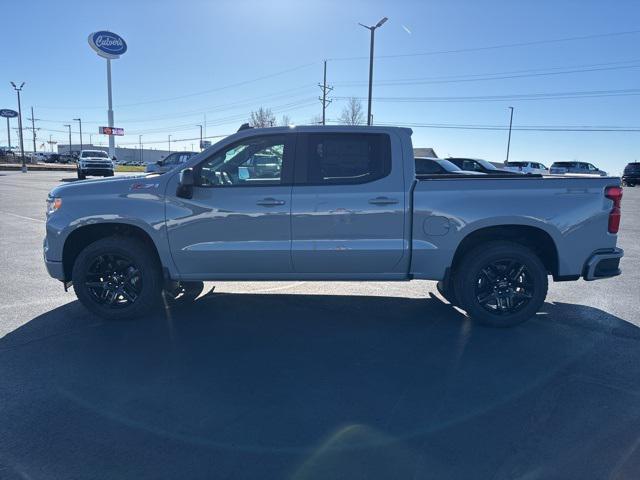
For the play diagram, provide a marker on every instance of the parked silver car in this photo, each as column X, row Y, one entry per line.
column 576, row 167
column 170, row 162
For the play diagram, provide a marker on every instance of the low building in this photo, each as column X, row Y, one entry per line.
column 424, row 152
column 122, row 154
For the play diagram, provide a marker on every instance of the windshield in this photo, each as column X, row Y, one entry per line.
column 487, row 165
column 95, row 154
column 517, row 164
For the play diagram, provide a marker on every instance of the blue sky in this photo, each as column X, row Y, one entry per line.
column 226, row 58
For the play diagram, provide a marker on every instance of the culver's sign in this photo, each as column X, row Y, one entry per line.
column 107, row 44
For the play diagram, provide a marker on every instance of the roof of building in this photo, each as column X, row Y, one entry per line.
column 424, row 152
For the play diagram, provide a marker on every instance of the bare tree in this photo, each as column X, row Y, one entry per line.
column 352, row 113
column 285, row 120
column 263, row 117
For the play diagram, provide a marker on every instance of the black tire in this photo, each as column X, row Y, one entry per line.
column 81, row 176
column 142, row 278
column 505, row 273
column 183, row 293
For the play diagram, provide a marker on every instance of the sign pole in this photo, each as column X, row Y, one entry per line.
column 112, row 142
column 8, row 134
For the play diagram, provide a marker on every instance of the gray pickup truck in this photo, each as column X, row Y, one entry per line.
column 335, row 203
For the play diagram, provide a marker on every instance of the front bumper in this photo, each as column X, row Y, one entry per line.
column 603, row 264
column 633, row 178
column 55, row 269
column 96, row 171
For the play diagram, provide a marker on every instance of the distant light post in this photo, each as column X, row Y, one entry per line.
column 18, row 90
column 372, row 29
column 200, row 137
column 169, row 143
column 69, row 127
column 509, row 138
column 80, row 122
column 140, row 142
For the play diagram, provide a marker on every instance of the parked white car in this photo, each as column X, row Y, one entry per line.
column 94, row 162
column 526, row 167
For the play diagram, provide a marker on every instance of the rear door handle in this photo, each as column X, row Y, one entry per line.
column 383, row 201
column 270, row 202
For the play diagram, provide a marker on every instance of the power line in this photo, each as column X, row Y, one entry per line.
column 495, row 47
column 193, row 94
column 524, row 128
column 499, row 76
column 512, row 97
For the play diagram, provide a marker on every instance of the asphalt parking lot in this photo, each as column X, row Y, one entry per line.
column 311, row 380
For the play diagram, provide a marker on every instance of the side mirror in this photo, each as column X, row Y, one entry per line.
column 185, row 183
column 160, row 162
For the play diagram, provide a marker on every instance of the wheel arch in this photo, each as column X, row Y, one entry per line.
column 82, row 236
column 535, row 238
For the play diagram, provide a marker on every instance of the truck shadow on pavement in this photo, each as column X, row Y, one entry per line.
column 316, row 386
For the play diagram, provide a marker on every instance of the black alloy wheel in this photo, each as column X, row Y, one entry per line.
column 113, row 280
column 504, row 287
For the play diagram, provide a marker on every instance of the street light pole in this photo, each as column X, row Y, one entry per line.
column 140, row 142
column 18, row 90
column 169, row 143
column 80, row 122
column 509, row 138
column 200, row 136
column 372, row 29
column 69, row 127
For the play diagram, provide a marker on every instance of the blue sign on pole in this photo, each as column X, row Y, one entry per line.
column 107, row 44
column 8, row 113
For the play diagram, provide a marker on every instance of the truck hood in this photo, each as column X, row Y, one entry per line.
column 113, row 185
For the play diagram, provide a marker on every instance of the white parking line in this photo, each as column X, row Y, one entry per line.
column 39, row 220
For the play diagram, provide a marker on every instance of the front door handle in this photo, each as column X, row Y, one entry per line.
column 270, row 202
column 383, row 201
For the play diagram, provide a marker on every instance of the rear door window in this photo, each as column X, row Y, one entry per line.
column 342, row 158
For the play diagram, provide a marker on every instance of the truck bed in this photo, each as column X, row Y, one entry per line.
column 571, row 210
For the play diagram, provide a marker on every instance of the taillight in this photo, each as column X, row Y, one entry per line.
column 615, row 194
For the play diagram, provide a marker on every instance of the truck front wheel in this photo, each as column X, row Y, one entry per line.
column 117, row 278
column 501, row 284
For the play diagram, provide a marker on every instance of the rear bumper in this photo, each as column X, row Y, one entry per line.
column 603, row 264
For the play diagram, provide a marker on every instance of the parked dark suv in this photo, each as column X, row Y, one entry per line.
column 631, row 174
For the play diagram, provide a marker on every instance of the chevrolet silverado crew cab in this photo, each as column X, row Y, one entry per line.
column 94, row 162
column 329, row 203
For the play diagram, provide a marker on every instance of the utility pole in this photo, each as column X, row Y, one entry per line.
column 325, row 90
column 140, row 142
column 80, row 122
column 33, row 130
column 200, row 137
column 372, row 29
column 509, row 139
column 69, row 127
column 8, row 133
column 18, row 90
column 169, row 143
column 51, row 143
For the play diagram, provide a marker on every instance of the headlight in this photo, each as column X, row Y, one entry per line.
column 53, row 204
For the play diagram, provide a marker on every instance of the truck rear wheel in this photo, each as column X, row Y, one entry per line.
column 117, row 278
column 501, row 284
